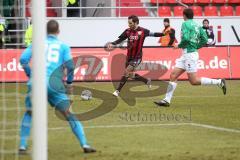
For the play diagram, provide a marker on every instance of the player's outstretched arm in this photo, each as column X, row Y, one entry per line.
column 25, row 60
column 156, row 34
column 120, row 39
column 111, row 45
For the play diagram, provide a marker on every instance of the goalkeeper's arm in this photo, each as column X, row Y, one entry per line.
column 69, row 65
column 25, row 60
column 70, row 71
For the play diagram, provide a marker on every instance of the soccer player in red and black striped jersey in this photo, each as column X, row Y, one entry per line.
column 135, row 36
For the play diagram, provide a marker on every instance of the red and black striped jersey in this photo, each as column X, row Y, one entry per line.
column 135, row 39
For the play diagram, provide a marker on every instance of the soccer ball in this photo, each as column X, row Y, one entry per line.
column 209, row 41
column 86, row 95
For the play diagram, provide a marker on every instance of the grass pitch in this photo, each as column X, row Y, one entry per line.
column 201, row 124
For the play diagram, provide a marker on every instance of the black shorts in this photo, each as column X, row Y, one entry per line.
column 133, row 62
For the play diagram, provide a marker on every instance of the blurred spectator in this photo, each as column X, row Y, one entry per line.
column 3, row 31
column 209, row 31
column 169, row 34
column 8, row 8
column 28, row 35
column 73, row 12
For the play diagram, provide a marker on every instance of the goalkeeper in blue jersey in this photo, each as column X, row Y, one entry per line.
column 58, row 55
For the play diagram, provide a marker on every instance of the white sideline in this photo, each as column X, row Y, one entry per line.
column 14, row 94
column 215, row 127
column 109, row 126
column 134, row 125
column 145, row 125
column 127, row 126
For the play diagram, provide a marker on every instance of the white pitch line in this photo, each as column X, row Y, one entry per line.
column 142, row 125
column 20, row 95
column 201, row 96
column 215, row 127
column 128, row 126
column 110, row 126
column 184, row 96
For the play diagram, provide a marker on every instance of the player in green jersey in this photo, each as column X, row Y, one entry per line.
column 193, row 38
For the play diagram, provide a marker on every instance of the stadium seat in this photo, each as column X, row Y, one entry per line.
column 125, row 12
column 226, row 11
column 27, row 4
column 210, row 11
column 170, row 1
column 132, row 1
column 178, row 11
column 203, row 1
column 159, row 1
column 234, row 1
column 219, row 1
column 197, row 10
column 237, row 11
column 188, row 1
column 50, row 12
column 164, row 11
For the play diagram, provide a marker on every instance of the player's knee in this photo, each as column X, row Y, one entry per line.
column 173, row 76
column 132, row 75
column 127, row 74
column 193, row 82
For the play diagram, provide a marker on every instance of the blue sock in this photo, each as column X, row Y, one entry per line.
column 77, row 129
column 25, row 129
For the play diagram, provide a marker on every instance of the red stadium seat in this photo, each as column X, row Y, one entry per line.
column 188, row 1
column 218, row 1
column 159, row 1
column 164, row 11
column 178, row 11
column 170, row 1
column 197, row 10
column 125, row 12
column 238, row 11
column 203, row 1
column 51, row 13
column 226, row 11
column 129, row 3
column 234, row 1
column 27, row 4
column 210, row 11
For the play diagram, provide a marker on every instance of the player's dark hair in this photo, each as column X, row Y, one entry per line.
column 52, row 27
column 188, row 12
column 166, row 20
column 134, row 18
column 206, row 20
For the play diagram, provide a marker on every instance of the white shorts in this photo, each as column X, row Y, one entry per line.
column 188, row 62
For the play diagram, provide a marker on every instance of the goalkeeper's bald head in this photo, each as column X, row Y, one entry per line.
column 52, row 27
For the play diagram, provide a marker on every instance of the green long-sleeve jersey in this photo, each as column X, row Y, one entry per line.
column 193, row 36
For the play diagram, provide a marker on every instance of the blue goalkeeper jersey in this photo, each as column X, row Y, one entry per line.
column 58, row 57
